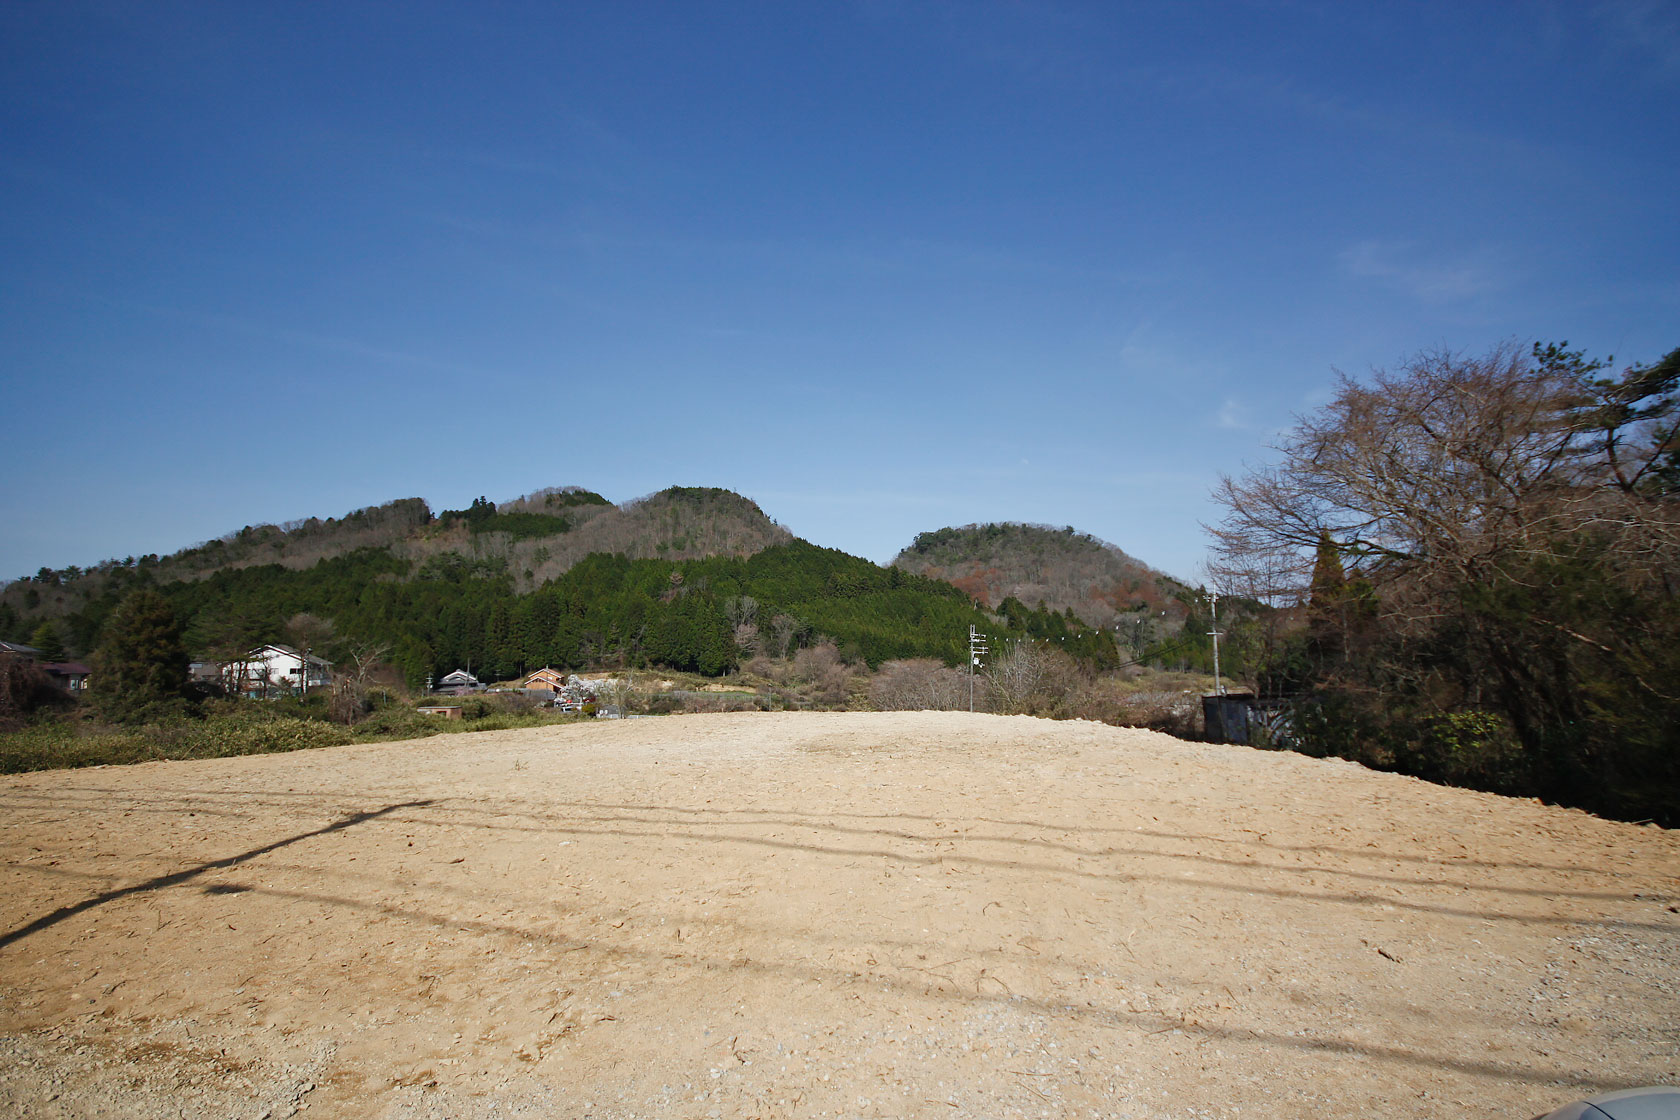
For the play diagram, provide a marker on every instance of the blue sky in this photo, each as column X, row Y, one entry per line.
column 882, row 267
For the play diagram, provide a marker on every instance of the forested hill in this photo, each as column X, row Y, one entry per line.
column 1033, row 564
column 688, row 578
column 536, row 537
column 530, row 539
column 702, row 615
column 542, row 535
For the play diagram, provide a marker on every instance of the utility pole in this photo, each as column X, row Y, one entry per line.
column 976, row 646
column 1212, row 598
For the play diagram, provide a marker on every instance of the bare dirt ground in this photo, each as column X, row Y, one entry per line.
column 895, row 914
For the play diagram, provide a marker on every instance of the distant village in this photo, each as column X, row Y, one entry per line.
column 273, row 670
column 567, row 692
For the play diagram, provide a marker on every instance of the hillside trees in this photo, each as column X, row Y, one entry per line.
column 483, row 516
column 440, row 604
column 1059, row 567
column 1511, row 540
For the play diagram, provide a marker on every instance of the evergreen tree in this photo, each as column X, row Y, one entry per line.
column 140, row 667
column 1328, row 577
column 49, row 647
column 1326, row 606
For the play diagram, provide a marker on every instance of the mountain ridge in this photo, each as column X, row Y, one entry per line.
column 1034, row 564
column 541, row 540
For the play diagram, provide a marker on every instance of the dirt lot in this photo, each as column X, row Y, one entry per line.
column 896, row 914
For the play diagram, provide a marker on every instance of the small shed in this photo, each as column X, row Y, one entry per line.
column 1225, row 716
column 444, row 711
column 71, row 676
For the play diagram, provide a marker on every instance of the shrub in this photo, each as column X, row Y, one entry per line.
column 826, row 674
column 919, row 684
column 57, row 745
column 718, row 702
column 25, row 689
column 220, row 738
column 1474, row 748
column 400, row 723
column 1175, row 713
column 60, row 744
column 1027, row 678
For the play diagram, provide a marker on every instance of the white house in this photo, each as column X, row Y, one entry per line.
column 458, row 683
column 276, row 670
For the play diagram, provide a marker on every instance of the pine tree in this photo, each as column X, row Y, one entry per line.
column 1329, row 580
column 1327, row 607
column 49, row 647
column 140, row 667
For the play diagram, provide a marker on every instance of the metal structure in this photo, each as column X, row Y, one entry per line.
column 976, row 646
column 1212, row 598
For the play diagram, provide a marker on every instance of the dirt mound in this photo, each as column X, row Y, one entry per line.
column 895, row 914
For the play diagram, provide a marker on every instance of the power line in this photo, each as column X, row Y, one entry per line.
column 1157, row 653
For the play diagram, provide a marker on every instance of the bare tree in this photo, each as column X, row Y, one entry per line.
column 1455, row 468
column 821, row 666
column 1271, row 580
column 783, row 629
column 309, row 633
column 919, row 684
column 349, row 699
column 1510, row 527
column 1028, row 677
column 741, row 610
column 24, row 687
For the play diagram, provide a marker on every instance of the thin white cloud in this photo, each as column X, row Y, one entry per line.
column 1400, row 266
column 1645, row 30
column 1232, row 414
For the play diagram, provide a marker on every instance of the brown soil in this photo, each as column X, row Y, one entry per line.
column 894, row 914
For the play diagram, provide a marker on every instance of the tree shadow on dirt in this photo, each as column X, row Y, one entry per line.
column 175, row 878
